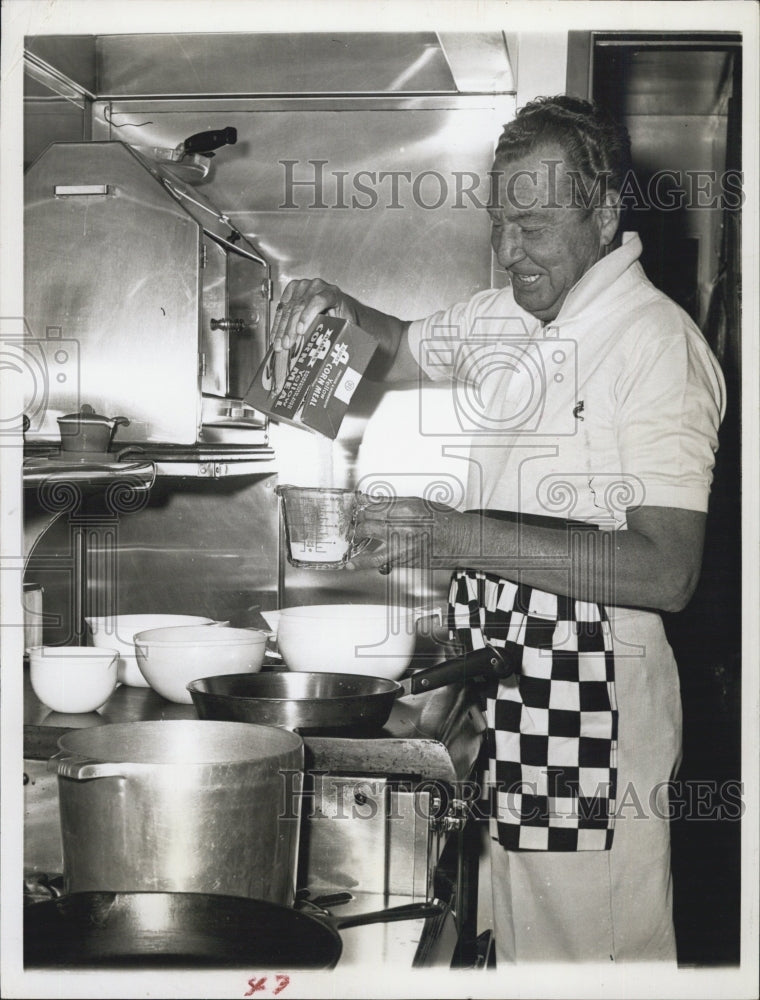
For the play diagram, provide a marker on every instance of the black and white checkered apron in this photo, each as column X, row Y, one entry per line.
column 552, row 725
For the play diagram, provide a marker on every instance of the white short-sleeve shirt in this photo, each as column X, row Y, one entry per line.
column 614, row 404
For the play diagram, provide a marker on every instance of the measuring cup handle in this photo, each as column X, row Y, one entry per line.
column 356, row 548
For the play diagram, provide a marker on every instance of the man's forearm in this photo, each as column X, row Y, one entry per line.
column 391, row 361
column 624, row 568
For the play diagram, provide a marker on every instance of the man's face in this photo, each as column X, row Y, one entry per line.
column 544, row 242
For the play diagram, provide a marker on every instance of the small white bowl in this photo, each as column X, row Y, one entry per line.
column 170, row 658
column 73, row 679
column 118, row 632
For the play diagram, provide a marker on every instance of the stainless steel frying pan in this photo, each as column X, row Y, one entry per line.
column 313, row 701
column 190, row 930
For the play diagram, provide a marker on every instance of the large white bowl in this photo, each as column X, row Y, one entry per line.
column 119, row 631
column 170, row 658
column 72, row 679
column 371, row 639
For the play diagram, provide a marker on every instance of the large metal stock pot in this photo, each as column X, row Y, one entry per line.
column 181, row 806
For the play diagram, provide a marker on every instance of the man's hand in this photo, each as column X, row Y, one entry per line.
column 302, row 301
column 306, row 298
column 409, row 531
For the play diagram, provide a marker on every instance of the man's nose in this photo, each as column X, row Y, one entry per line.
column 509, row 248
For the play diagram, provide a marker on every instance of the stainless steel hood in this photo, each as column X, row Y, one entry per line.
column 271, row 63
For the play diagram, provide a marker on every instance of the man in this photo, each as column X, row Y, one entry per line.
column 578, row 529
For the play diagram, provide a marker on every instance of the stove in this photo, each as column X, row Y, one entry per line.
column 384, row 817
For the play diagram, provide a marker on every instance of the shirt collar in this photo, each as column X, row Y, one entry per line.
column 599, row 278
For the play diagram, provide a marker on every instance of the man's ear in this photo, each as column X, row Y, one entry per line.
column 608, row 216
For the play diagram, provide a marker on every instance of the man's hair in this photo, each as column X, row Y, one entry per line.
column 596, row 146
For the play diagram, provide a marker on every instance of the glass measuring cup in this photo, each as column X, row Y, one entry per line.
column 319, row 526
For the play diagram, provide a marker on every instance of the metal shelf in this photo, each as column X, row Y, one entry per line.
column 210, row 462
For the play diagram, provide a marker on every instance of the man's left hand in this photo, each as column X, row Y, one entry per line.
column 410, row 531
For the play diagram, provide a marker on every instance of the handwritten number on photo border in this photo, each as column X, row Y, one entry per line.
column 259, row 984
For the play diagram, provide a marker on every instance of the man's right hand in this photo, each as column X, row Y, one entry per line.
column 302, row 301
column 306, row 298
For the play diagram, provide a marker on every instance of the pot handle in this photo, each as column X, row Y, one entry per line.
column 423, row 612
column 486, row 662
column 411, row 911
column 85, row 770
column 434, row 630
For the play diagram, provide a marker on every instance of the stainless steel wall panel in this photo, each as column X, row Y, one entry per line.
column 440, row 147
column 72, row 55
column 51, row 119
column 199, row 546
column 271, row 63
column 479, row 60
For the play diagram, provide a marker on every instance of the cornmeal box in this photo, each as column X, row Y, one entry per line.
column 322, row 379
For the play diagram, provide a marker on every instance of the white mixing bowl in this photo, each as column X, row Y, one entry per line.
column 370, row 639
column 170, row 658
column 118, row 632
column 72, row 679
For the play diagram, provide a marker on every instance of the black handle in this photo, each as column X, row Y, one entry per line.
column 411, row 911
column 484, row 663
column 204, row 142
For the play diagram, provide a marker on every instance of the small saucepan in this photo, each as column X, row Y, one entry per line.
column 190, row 930
column 88, row 431
column 310, row 702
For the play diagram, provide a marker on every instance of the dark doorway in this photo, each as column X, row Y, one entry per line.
column 680, row 97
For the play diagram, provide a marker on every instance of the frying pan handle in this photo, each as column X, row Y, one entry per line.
column 411, row 911
column 486, row 662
